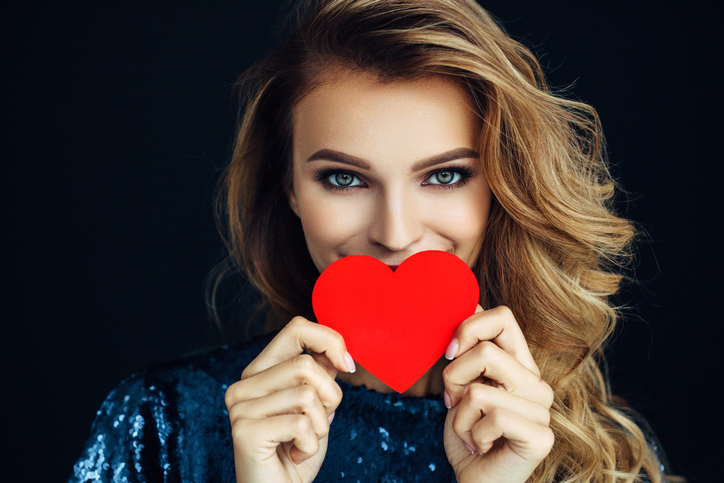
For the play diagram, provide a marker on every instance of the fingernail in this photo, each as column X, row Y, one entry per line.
column 452, row 349
column 331, row 417
column 446, row 399
column 350, row 362
column 470, row 450
column 485, row 448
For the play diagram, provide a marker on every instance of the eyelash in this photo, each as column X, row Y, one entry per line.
column 465, row 174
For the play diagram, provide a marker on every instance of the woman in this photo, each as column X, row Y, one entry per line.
column 385, row 128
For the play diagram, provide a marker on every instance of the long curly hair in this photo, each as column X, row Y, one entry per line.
column 554, row 250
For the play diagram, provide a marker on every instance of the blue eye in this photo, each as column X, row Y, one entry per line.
column 336, row 179
column 344, row 179
column 444, row 177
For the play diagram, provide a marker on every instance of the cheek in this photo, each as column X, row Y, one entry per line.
column 463, row 219
column 328, row 221
column 470, row 223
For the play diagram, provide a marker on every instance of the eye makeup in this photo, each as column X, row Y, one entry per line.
column 465, row 173
column 327, row 175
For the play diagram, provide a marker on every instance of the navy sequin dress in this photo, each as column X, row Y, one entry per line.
column 170, row 424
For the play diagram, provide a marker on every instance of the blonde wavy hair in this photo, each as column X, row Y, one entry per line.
column 553, row 250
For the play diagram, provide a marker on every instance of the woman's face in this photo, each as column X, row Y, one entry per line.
column 388, row 170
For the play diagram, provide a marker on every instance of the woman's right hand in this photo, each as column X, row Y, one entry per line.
column 282, row 407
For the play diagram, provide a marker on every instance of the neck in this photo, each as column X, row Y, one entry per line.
column 429, row 384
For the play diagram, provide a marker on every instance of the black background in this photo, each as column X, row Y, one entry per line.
column 118, row 117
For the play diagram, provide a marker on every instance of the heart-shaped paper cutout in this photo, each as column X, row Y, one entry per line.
column 396, row 324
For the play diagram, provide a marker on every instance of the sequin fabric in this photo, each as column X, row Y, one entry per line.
column 170, row 424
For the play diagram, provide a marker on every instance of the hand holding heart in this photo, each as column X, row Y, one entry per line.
column 281, row 409
column 497, row 424
column 497, row 427
column 398, row 324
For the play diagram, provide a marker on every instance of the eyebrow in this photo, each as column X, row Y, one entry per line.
column 339, row 157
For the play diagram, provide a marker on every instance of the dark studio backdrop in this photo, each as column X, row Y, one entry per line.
column 118, row 117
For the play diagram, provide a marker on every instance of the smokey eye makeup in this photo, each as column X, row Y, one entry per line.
column 338, row 179
column 449, row 177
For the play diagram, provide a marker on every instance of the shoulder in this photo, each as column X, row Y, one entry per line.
column 220, row 363
column 195, row 376
column 657, row 466
column 169, row 421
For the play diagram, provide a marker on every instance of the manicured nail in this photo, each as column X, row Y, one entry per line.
column 350, row 362
column 446, row 399
column 470, row 450
column 452, row 349
column 331, row 417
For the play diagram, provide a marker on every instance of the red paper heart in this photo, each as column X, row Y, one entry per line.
column 396, row 324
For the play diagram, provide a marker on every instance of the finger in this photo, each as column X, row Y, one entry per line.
column 297, row 400
column 298, row 371
column 481, row 399
column 322, row 360
column 489, row 361
column 529, row 440
column 260, row 437
column 296, row 337
column 497, row 325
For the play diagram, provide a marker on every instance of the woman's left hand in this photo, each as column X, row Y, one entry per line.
column 499, row 407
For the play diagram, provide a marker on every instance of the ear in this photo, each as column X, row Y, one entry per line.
column 293, row 201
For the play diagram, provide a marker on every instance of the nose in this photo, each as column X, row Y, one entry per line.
column 397, row 222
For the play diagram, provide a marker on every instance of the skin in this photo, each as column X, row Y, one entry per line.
column 388, row 170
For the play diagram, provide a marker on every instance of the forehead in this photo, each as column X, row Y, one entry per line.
column 358, row 114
